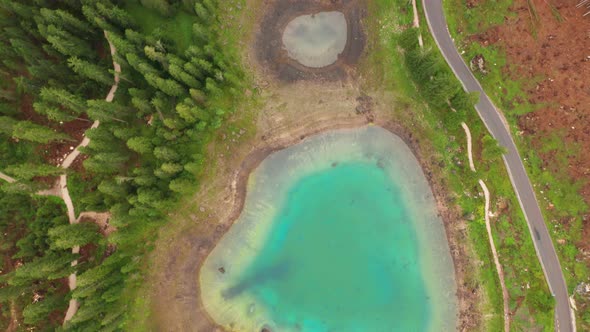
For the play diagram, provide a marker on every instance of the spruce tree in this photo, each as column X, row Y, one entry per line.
column 36, row 133
column 90, row 70
column 28, row 171
column 141, row 145
column 68, row 236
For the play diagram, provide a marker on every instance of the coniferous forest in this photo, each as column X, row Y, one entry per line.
column 58, row 62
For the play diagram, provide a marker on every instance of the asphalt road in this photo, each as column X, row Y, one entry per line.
column 493, row 120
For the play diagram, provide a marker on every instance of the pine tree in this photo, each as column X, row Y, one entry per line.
column 40, row 311
column 122, row 45
column 212, row 87
column 141, row 145
column 171, row 168
column 151, row 53
column 192, row 69
column 143, row 177
column 52, row 112
column 178, row 73
column 104, row 111
column 168, row 86
column 55, row 104
column 26, row 50
column 49, row 267
column 64, row 98
column 204, row 66
column 165, row 153
column 68, row 44
column 140, row 100
column 202, row 12
column 118, row 16
column 102, row 139
column 7, row 125
column 200, row 32
column 36, row 133
column 65, row 19
column 211, row 5
column 182, row 185
column 134, row 37
column 90, row 70
column 106, row 163
column 68, row 236
column 185, row 112
column 29, row 170
column 113, row 189
column 95, row 18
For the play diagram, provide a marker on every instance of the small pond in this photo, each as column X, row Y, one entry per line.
column 316, row 40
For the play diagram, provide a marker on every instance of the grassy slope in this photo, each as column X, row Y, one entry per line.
column 552, row 183
column 531, row 305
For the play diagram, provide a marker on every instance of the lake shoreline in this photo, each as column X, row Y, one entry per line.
column 205, row 236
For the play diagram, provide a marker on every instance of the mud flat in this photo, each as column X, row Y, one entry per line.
column 316, row 40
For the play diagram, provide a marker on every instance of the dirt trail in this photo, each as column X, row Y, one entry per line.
column 505, row 296
column 469, row 152
column 63, row 182
column 416, row 23
column 6, row 178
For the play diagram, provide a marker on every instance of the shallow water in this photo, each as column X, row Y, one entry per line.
column 316, row 40
column 338, row 233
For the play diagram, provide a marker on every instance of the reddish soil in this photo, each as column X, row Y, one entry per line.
column 54, row 153
column 555, row 58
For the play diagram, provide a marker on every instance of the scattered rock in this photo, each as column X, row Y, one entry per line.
column 221, row 270
column 478, row 63
column 365, row 104
column 583, row 289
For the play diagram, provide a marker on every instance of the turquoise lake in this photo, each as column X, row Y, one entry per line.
column 338, row 233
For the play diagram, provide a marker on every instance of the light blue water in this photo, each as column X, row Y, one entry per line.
column 332, row 240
